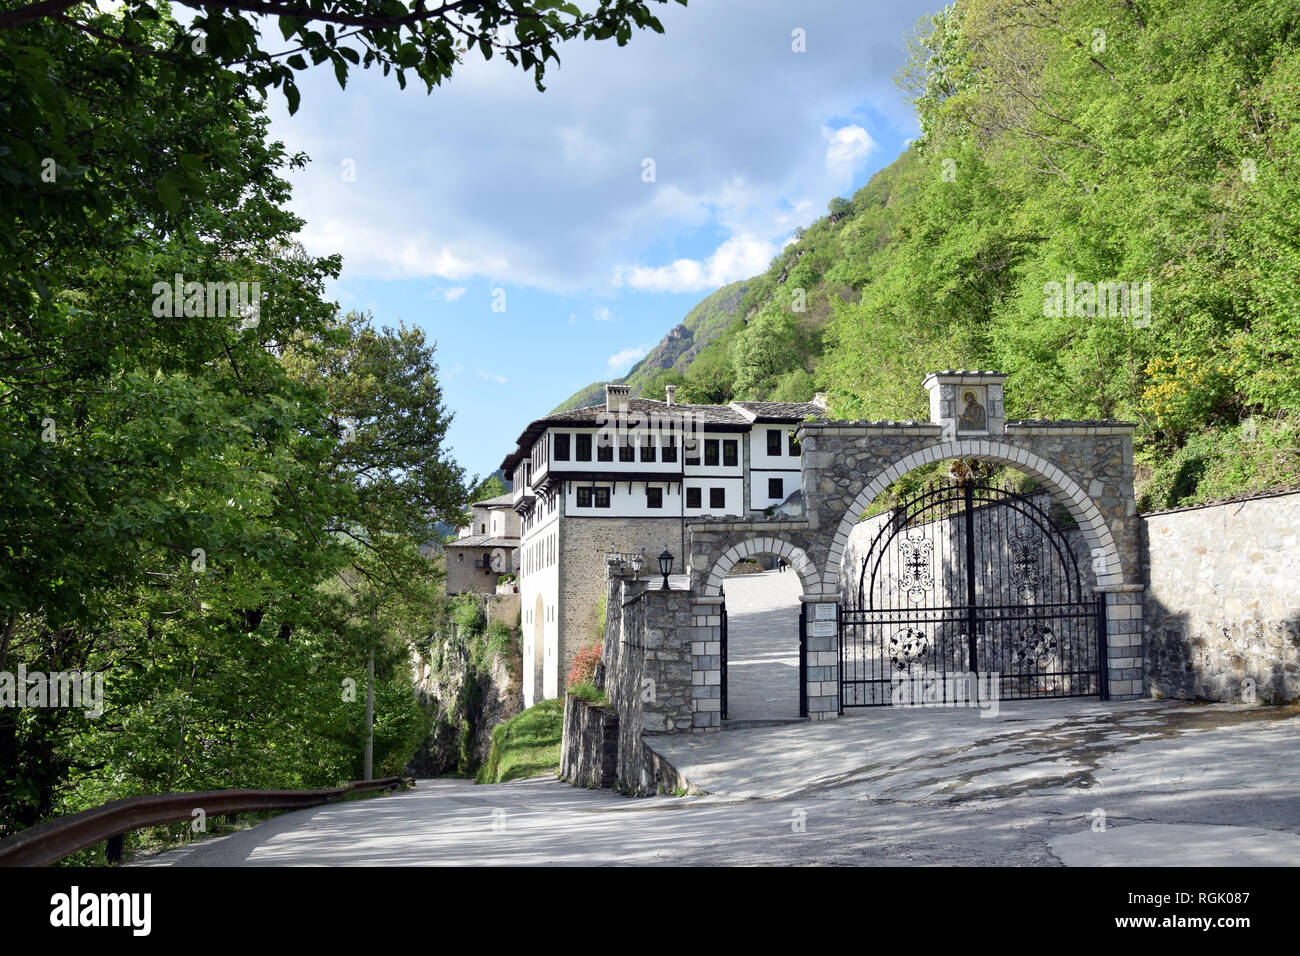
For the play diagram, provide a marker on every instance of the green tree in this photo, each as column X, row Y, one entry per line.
column 181, row 509
column 656, row 385
column 762, row 352
column 709, row 378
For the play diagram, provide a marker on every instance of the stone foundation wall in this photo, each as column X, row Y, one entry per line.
column 1222, row 612
column 503, row 608
column 463, row 577
column 589, row 752
column 647, row 677
column 584, row 543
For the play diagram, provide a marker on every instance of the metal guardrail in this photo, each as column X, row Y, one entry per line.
column 50, row 842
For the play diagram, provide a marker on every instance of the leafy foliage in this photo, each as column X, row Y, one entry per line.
column 392, row 35
column 217, row 510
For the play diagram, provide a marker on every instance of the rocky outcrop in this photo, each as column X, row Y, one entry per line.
column 473, row 677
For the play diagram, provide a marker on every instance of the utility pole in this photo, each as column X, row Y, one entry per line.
column 370, row 703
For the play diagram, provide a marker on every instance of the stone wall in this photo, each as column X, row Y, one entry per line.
column 589, row 752
column 503, row 608
column 584, row 542
column 463, row 577
column 1223, row 601
column 647, row 677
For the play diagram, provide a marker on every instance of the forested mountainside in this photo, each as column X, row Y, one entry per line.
column 1070, row 152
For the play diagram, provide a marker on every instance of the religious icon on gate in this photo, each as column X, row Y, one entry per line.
column 973, row 418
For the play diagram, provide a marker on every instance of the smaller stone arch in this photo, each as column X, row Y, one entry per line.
column 798, row 559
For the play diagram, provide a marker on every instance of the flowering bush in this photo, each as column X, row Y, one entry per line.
column 583, row 670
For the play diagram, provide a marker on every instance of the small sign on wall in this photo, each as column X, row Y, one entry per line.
column 825, row 612
column 823, row 629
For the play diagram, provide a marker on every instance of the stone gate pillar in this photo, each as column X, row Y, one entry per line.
column 821, row 648
column 706, row 662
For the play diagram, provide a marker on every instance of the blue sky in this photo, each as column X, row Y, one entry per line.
column 437, row 200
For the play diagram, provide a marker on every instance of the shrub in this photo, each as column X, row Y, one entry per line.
column 499, row 644
column 583, row 670
column 469, row 618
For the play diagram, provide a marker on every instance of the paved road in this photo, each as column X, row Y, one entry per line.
column 763, row 646
column 1177, row 784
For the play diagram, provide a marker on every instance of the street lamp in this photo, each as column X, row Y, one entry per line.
column 636, row 567
column 665, row 568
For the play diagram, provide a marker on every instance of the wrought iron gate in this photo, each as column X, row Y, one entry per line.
column 970, row 579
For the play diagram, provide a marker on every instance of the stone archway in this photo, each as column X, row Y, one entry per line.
column 1087, row 515
column 750, row 547
column 771, row 647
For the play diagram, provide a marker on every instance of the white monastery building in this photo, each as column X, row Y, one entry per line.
column 623, row 478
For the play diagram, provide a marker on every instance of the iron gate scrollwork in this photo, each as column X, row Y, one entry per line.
column 971, row 579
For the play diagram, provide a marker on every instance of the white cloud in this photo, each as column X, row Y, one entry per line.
column 739, row 257
column 489, row 377
column 453, row 371
column 846, row 148
column 371, row 251
column 602, row 315
column 451, row 295
column 546, row 191
column 620, row 362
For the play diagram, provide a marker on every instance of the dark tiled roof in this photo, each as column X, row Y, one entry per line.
column 967, row 371
column 483, row 541
column 782, row 411
column 722, row 416
column 500, row 501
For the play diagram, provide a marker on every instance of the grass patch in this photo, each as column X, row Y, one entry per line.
column 526, row 745
column 588, row 692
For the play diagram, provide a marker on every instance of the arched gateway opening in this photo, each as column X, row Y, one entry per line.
column 968, row 586
column 761, row 648
column 760, row 644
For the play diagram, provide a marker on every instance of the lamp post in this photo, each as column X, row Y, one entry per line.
column 665, row 568
column 636, row 567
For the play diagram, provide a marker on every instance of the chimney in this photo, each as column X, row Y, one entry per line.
column 616, row 397
column 671, row 390
column 820, row 400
